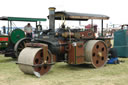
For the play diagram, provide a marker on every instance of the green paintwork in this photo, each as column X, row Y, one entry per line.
column 3, row 44
column 25, row 19
column 16, row 35
column 22, row 19
column 121, row 42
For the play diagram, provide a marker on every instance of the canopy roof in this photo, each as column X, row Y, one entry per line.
column 22, row 19
column 78, row 16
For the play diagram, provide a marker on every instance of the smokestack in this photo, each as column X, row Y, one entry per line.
column 52, row 18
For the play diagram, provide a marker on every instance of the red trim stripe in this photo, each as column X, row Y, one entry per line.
column 3, row 38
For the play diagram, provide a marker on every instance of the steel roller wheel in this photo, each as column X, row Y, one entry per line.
column 20, row 45
column 96, row 53
column 33, row 56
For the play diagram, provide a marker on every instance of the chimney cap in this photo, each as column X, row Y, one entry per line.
column 52, row 8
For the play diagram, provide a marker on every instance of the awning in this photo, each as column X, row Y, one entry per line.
column 22, row 19
column 78, row 16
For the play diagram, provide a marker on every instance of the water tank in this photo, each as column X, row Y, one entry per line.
column 121, row 42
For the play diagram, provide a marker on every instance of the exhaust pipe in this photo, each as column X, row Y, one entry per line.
column 52, row 19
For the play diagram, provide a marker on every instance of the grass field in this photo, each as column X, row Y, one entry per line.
column 63, row 74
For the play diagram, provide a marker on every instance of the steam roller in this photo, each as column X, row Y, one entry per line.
column 38, row 61
column 32, row 61
column 73, row 46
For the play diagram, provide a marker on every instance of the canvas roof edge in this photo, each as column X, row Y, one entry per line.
column 22, row 19
column 79, row 16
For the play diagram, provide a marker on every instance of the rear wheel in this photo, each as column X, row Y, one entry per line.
column 20, row 45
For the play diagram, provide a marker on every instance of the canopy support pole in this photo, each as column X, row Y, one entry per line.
column 8, row 27
column 102, row 27
column 91, row 23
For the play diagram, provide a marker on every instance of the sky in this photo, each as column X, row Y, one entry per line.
column 115, row 9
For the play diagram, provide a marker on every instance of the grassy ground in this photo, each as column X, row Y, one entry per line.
column 63, row 74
